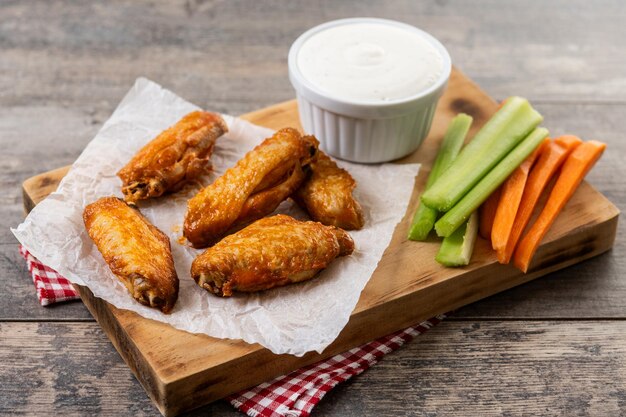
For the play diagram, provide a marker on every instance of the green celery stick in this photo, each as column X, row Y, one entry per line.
column 425, row 217
column 455, row 217
column 508, row 126
column 456, row 249
column 423, row 221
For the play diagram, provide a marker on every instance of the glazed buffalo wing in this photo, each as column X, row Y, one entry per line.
column 178, row 155
column 137, row 252
column 327, row 195
column 271, row 252
column 251, row 189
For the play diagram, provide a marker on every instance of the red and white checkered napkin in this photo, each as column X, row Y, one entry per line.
column 51, row 287
column 296, row 394
column 291, row 395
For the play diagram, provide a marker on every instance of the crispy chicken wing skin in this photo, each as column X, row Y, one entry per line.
column 137, row 252
column 327, row 195
column 178, row 155
column 271, row 252
column 251, row 189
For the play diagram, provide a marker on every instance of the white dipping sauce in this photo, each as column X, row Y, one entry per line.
column 370, row 62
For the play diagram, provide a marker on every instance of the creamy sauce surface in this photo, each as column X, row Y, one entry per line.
column 370, row 62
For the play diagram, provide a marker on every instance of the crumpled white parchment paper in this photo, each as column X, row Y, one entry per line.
column 295, row 319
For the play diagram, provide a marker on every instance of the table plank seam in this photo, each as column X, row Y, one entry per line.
column 566, row 101
column 46, row 320
column 535, row 319
column 448, row 318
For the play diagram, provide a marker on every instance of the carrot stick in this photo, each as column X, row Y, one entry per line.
column 487, row 213
column 574, row 170
column 510, row 198
column 552, row 157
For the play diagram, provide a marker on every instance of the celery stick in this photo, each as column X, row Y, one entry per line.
column 508, row 126
column 425, row 217
column 456, row 249
column 455, row 217
column 423, row 221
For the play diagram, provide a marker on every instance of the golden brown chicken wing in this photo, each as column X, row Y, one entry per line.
column 271, row 252
column 137, row 252
column 251, row 189
column 327, row 195
column 178, row 155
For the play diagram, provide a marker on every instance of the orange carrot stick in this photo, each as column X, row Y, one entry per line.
column 486, row 214
column 550, row 160
column 574, row 170
column 510, row 197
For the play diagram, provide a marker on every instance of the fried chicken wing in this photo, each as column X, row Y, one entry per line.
column 270, row 252
column 327, row 195
column 251, row 189
column 178, row 155
column 137, row 252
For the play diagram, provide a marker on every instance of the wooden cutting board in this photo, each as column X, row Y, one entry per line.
column 181, row 371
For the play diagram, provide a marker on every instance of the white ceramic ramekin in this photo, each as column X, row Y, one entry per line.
column 360, row 131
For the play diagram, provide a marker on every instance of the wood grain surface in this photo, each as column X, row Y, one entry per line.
column 65, row 66
column 459, row 368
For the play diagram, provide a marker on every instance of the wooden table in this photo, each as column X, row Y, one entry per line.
column 554, row 346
